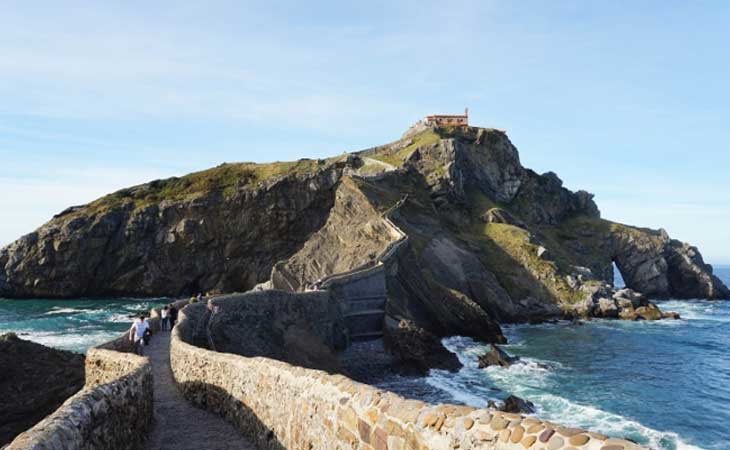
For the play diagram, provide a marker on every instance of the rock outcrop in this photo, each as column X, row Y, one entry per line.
column 489, row 241
column 35, row 381
column 661, row 267
column 514, row 404
column 496, row 357
column 417, row 350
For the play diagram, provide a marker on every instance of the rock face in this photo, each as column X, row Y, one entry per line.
column 132, row 244
column 489, row 241
column 35, row 381
column 662, row 267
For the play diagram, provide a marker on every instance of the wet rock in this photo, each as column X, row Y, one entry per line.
column 417, row 350
column 648, row 312
column 496, row 357
column 671, row 315
column 514, row 404
column 607, row 308
column 635, row 298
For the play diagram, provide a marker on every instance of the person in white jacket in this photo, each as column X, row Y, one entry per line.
column 136, row 334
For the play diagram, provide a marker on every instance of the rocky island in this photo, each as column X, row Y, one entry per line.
column 489, row 241
column 442, row 232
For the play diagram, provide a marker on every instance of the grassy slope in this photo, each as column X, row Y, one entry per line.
column 226, row 178
column 395, row 154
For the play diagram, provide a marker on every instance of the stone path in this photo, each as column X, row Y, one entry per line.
column 178, row 424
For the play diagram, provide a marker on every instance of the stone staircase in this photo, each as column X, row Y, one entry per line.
column 364, row 316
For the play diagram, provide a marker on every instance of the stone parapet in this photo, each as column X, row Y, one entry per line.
column 282, row 406
column 112, row 412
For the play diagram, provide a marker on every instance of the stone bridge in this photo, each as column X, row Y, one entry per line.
column 258, row 398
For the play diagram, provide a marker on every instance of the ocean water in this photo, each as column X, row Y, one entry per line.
column 665, row 384
column 72, row 325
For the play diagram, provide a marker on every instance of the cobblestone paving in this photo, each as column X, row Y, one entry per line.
column 178, row 424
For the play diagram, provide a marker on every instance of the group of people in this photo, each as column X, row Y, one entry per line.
column 140, row 332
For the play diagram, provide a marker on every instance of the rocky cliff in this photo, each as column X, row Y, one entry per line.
column 489, row 240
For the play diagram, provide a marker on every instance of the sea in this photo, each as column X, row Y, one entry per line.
column 664, row 384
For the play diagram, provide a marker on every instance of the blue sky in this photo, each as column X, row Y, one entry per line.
column 628, row 100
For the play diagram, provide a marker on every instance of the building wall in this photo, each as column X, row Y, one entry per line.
column 447, row 120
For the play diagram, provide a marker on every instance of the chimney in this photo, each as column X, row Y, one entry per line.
column 466, row 112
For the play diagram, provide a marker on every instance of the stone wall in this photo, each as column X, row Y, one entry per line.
column 112, row 412
column 304, row 329
column 282, row 406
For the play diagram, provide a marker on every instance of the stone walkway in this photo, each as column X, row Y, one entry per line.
column 178, row 424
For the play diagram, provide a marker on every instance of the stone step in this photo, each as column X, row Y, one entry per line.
column 360, row 298
column 365, row 323
column 365, row 312
column 361, row 305
column 366, row 336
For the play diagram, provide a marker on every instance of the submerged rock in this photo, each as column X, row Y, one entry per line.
column 35, row 381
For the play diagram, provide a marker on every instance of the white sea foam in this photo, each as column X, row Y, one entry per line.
column 68, row 341
column 120, row 318
column 696, row 310
column 564, row 411
column 57, row 310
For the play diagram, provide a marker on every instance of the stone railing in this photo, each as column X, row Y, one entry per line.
column 113, row 410
column 282, row 406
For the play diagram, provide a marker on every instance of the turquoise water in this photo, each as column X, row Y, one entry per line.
column 665, row 384
column 72, row 325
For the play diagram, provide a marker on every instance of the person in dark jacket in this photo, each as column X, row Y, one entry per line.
column 173, row 316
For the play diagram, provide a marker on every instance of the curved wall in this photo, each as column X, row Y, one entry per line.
column 113, row 411
column 281, row 406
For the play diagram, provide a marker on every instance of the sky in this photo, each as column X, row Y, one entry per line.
column 628, row 100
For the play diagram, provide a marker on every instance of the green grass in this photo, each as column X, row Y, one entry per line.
column 396, row 157
column 510, row 253
column 225, row 178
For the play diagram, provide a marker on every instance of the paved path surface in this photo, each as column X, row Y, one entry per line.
column 178, row 424
column 378, row 162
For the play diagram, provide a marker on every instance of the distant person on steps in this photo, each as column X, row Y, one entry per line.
column 173, row 316
column 137, row 334
column 165, row 318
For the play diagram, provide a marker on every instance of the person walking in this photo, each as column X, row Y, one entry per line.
column 137, row 333
column 165, row 318
column 173, row 316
